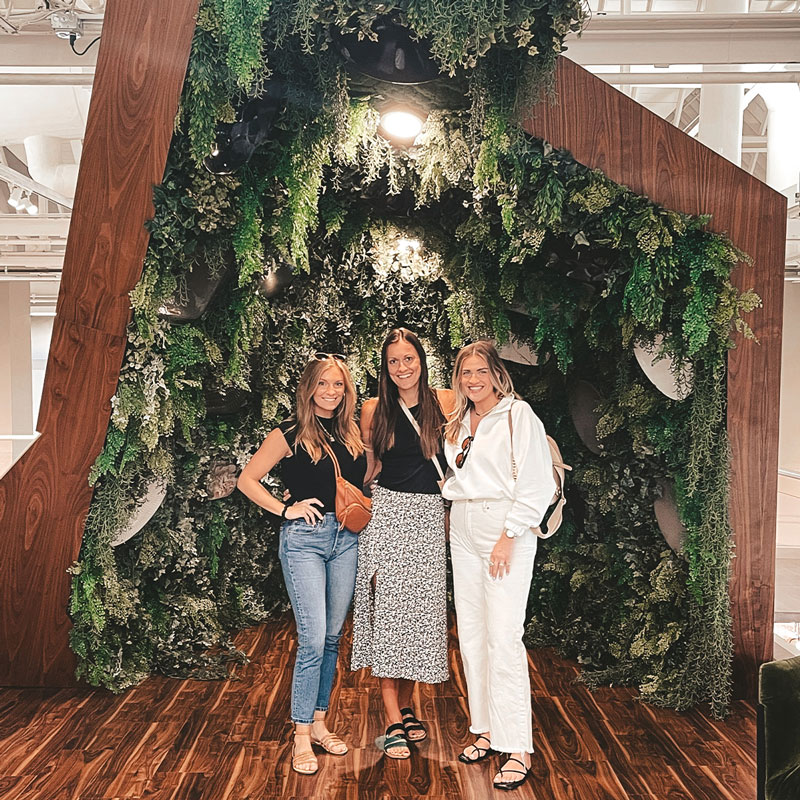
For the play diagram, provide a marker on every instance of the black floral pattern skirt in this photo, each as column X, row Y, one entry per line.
column 400, row 619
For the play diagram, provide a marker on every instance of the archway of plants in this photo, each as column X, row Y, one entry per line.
column 313, row 245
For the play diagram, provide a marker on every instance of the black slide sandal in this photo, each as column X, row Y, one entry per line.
column 394, row 741
column 411, row 723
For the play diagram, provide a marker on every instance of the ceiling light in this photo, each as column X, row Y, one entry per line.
column 15, row 198
column 408, row 245
column 391, row 54
column 401, row 124
column 66, row 23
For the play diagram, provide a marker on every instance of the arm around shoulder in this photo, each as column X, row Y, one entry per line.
column 368, row 410
column 447, row 401
column 365, row 423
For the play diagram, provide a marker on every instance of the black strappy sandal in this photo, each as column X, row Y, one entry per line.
column 394, row 741
column 508, row 785
column 483, row 752
column 411, row 723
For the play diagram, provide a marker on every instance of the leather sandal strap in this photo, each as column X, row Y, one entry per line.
column 481, row 751
column 397, row 726
column 332, row 743
column 410, row 720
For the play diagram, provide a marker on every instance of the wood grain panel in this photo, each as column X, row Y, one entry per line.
column 45, row 497
column 605, row 129
column 231, row 740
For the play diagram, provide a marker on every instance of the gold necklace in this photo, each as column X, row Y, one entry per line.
column 482, row 413
column 327, row 433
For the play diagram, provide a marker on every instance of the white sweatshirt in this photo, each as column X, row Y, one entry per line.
column 486, row 474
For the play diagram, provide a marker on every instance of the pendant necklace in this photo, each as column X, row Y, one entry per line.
column 328, row 434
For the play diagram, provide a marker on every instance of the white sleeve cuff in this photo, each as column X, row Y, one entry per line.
column 516, row 529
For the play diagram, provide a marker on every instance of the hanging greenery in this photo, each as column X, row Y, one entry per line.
column 478, row 230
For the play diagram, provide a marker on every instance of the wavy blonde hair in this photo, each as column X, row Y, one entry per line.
column 498, row 375
column 310, row 434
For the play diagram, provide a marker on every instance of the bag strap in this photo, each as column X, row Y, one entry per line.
column 336, row 468
column 514, row 470
column 415, row 425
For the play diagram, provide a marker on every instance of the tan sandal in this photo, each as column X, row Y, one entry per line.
column 304, row 763
column 331, row 743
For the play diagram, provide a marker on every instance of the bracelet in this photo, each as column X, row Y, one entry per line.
column 283, row 512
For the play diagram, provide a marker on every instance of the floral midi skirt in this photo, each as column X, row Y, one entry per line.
column 400, row 619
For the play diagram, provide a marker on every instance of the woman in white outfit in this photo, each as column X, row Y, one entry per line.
column 494, row 506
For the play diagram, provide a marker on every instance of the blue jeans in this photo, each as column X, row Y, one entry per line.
column 319, row 568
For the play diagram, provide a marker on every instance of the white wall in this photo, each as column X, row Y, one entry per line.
column 41, row 331
column 789, row 445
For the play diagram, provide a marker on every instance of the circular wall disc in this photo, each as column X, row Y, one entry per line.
column 147, row 507
column 668, row 516
column 275, row 280
column 583, row 398
column 221, row 481
column 661, row 372
column 517, row 351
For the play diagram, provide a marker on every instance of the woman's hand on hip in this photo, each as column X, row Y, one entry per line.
column 307, row 509
column 500, row 559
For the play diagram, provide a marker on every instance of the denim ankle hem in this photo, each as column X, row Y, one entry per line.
column 302, row 722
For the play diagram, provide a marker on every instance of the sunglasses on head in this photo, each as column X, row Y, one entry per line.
column 462, row 456
column 320, row 356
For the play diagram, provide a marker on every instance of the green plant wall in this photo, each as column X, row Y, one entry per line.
column 500, row 218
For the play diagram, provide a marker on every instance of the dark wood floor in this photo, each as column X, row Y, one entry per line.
column 188, row 740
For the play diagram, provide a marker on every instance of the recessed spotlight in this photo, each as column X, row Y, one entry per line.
column 401, row 124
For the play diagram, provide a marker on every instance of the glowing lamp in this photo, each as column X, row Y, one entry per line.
column 401, row 124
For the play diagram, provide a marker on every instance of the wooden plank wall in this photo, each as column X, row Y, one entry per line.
column 44, row 499
column 605, row 129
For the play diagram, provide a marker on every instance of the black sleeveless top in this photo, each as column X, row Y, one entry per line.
column 404, row 468
column 305, row 479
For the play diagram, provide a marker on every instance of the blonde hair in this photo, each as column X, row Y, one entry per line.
column 310, row 434
column 498, row 375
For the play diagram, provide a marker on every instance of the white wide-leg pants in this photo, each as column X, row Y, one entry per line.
column 490, row 615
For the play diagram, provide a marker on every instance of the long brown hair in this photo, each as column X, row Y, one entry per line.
column 310, row 434
column 498, row 375
column 431, row 420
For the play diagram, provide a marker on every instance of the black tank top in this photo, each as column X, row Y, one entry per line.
column 304, row 479
column 403, row 466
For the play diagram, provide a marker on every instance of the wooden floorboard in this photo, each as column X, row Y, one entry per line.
column 189, row 740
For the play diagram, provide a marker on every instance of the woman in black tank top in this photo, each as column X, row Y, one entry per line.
column 400, row 615
column 318, row 557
